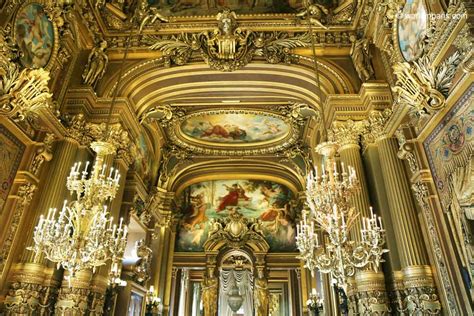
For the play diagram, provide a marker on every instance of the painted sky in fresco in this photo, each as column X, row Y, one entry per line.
column 412, row 27
column 235, row 128
column 268, row 201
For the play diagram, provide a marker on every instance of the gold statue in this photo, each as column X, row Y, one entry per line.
column 96, row 65
column 261, row 295
column 209, row 294
column 315, row 12
column 145, row 14
column 360, row 54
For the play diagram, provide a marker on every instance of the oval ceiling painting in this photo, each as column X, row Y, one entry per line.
column 412, row 27
column 235, row 127
column 34, row 36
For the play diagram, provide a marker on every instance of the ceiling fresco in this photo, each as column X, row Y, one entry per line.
column 201, row 7
column 412, row 28
column 235, row 128
column 267, row 201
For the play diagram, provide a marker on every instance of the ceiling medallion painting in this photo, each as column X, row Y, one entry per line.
column 235, row 128
column 204, row 204
column 412, row 28
column 34, row 34
column 233, row 132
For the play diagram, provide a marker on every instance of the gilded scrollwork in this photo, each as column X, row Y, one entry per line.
column 423, row 88
column 348, row 133
column 24, row 195
column 375, row 124
column 86, row 132
column 406, row 151
column 142, row 269
column 236, row 231
column 44, row 152
column 23, row 92
column 228, row 47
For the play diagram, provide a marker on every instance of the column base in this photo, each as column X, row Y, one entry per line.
column 74, row 295
column 371, row 293
column 419, row 294
column 33, row 289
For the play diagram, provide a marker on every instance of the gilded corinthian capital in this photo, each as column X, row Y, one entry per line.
column 348, row 133
column 375, row 126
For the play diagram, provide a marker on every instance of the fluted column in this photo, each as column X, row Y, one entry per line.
column 32, row 278
column 367, row 290
column 53, row 189
column 417, row 274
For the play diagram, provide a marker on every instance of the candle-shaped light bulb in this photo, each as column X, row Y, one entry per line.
column 380, row 221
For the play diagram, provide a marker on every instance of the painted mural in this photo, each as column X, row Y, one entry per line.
column 451, row 144
column 201, row 7
column 412, row 27
column 144, row 164
column 34, row 35
column 265, row 200
column 235, row 128
column 11, row 151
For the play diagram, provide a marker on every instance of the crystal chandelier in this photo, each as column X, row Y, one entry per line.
column 329, row 200
column 83, row 235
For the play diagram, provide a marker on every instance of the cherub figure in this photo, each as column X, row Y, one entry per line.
column 315, row 12
column 145, row 14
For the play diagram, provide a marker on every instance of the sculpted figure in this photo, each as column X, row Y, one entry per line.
column 209, row 295
column 144, row 14
column 96, row 65
column 361, row 58
column 261, row 295
column 315, row 11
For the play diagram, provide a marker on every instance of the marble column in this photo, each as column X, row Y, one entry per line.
column 367, row 299
column 417, row 274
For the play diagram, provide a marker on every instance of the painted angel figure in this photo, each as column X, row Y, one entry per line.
column 95, row 68
column 315, row 11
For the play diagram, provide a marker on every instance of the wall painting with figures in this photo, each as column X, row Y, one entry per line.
column 34, row 35
column 264, row 200
column 235, row 128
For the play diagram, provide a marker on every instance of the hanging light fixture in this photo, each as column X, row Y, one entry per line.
column 329, row 198
column 83, row 235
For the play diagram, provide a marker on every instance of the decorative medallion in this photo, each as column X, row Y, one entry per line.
column 233, row 131
column 34, row 35
column 412, row 27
